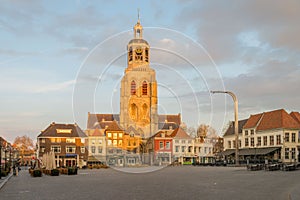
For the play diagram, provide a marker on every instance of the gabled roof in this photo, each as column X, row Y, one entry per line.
column 277, row 119
column 180, row 134
column 62, row 130
column 170, row 118
column 253, row 120
column 167, row 125
column 161, row 134
column 272, row 120
column 114, row 126
column 97, row 132
column 296, row 116
column 95, row 119
column 230, row 129
column 131, row 129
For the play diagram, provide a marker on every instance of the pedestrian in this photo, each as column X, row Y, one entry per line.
column 14, row 170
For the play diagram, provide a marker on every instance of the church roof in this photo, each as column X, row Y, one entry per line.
column 99, row 120
column 62, row 130
column 131, row 129
column 169, row 118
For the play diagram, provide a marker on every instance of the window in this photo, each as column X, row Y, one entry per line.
column 55, row 140
column 293, row 153
column 115, row 143
column 130, row 54
column 293, row 137
column 252, row 132
column 258, row 141
column 233, row 142
column 246, row 132
column 287, row 153
column 287, row 137
column 145, row 87
column 93, row 149
column 265, row 140
column 205, row 149
column 167, row 145
column 93, row 141
column 177, row 141
column 82, row 140
column 99, row 149
column 70, row 149
column 189, row 141
column 183, row 141
column 271, row 140
column 115, row 135
column 190, row 149
column 42, row 140
column 161, row 145
column 120, row 135
column 229, row 144
column 109, row 135
column 120, row 142
column 252, row 142
column 100, row 141
column 147, row 55
column 176, row 148
column 109, row 142
column 82, row 149
column 183, row 149
column 133, row 88
column 55, row 149
column 70, row 140
column 278, row 139
column 42, row 149
column 246, row 142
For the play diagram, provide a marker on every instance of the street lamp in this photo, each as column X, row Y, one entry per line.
column 236, row 123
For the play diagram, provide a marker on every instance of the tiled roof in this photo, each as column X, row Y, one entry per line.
column 253, row 120
column 273, row 120
column 51, row 131
column 160, row 134
column 296, row 116
column 94, row 119
column 277, row 119
column 180, row 133
column 170, row 118
column 131, row 129
column 167, row 125
column 230, row 129
column 114, row 126
column 97, row 132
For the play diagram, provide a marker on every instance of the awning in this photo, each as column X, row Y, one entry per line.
column 249, row 151
column 227, row 152
column 257, row 151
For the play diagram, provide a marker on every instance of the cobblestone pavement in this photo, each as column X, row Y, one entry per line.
column 186, row 182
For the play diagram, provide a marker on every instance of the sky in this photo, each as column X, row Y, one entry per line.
column 60, row 60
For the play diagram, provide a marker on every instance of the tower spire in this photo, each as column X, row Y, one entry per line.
column 138, row 15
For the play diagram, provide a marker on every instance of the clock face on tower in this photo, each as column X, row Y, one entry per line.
column 138, row 53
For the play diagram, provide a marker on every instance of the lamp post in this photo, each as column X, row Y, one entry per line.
column 236, row 123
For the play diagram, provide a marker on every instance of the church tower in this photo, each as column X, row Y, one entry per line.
column 138, row 95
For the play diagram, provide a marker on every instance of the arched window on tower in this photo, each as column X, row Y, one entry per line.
column 130, row 54
column 133, row 88
column 145, row 88
column 147, row 55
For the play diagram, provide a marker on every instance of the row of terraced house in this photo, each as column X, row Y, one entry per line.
column 272, row 136
column 104, row 141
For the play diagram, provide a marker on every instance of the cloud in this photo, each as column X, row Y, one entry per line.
column 54, row 87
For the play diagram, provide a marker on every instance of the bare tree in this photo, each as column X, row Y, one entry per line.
column 24, row 143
